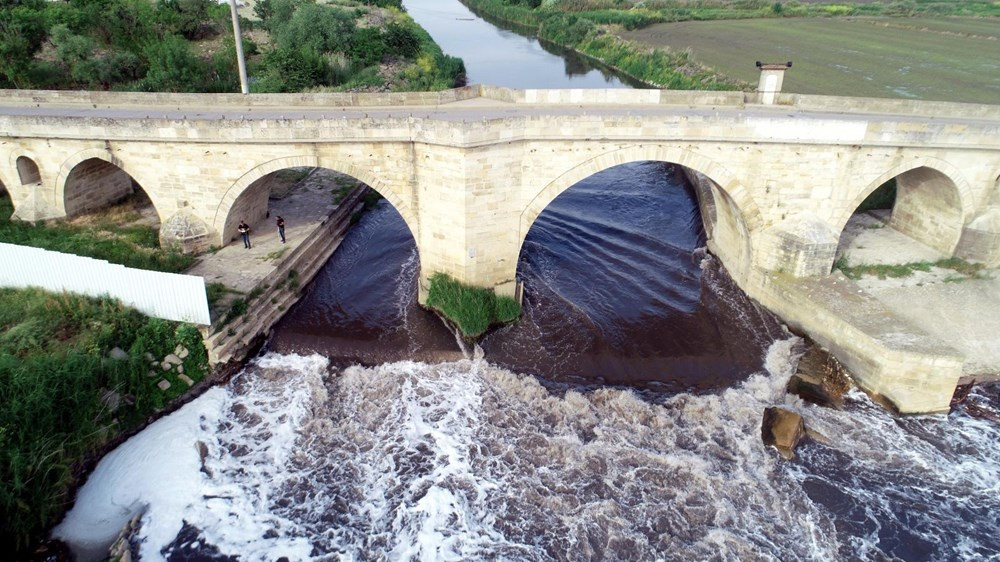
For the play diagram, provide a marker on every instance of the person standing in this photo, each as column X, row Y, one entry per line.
column 245, row 232
column 281, row 228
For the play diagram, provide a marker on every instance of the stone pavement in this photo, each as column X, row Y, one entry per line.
column 309, row 203
column 957, row 310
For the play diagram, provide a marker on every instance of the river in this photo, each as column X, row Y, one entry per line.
column 618, row 420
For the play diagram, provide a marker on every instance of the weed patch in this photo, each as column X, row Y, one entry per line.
column 63, row 397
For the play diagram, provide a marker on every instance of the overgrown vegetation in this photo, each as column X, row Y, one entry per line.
column 187, row 46
column 472, row 309
column 131, row 246
column 62, row 397
column 883, row 271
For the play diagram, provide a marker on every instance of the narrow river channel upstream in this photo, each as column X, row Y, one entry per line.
column 618, row 420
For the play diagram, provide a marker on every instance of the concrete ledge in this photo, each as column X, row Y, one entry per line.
column 886, row 355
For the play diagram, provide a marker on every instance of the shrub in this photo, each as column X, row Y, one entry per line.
column 172, row 66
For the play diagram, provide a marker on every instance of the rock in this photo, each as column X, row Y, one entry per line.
column 151, row 374
column 783, row 429
column 118, row 354
column 52, row 550
column 203, row 454
column 982, row 412
column 961, row 393
column 180, row 368
column 166, row 366
column 186, row 379
column 181, row 351
column 820, row 379
column 125, row 547
column 164, row 384
column 110, row 399
column 172, row 359
column 149, row 357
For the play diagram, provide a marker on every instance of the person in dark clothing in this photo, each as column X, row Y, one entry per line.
column 245, row 232
column 281, row 228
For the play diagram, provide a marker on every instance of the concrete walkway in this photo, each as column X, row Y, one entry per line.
column 308, row 204
column 960, row 311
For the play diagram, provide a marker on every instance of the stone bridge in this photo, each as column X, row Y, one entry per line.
column 470, row 169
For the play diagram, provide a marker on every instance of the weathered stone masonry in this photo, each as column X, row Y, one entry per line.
column 470, row 179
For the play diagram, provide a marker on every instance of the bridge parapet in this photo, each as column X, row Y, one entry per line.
column 487, row 95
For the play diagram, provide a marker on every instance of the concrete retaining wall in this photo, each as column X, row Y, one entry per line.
column 235, row 340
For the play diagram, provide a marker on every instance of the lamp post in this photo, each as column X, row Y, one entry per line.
column 239, row 48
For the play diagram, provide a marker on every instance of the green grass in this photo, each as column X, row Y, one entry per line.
column 883, row 271
column 54, row 370
column 131, row 246
column 472, row 309
column 867, row 57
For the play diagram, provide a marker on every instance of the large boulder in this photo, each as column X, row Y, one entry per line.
column 820, row 379
column 783, row 429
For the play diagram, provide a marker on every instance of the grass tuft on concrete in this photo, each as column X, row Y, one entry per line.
column 883, row 271
column 472, row 309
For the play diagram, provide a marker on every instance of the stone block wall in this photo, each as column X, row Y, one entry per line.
column 94, row 184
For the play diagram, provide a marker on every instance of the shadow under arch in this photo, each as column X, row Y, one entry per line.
column 27, row 171
column 933, row 200
column 94, row 178
column 226, row 227
column 729, row 212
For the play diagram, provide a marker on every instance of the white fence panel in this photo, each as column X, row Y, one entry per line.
column 164, row 295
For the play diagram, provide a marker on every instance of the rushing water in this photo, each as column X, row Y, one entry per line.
column 618, row 420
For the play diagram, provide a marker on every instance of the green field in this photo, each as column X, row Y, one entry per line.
column 950, row 59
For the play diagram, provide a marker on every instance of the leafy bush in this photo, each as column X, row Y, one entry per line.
column 172, row 66
column 367, row 46
column 316, row 28
column 291, row 70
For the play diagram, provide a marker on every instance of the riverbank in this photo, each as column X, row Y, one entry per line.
column 587, row 34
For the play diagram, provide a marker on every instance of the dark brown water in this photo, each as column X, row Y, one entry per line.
column 618, row 290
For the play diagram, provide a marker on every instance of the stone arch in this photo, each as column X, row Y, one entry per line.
column 27, row 171
column 83, row 169
column 933, row 200
column 32, row 201
column 733, row 214
column 229, row 199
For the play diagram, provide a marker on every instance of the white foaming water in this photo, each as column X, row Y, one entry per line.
column 462, row 461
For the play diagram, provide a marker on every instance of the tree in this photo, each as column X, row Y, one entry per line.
column 172, row 66
column 321, row 29
column 22, row 31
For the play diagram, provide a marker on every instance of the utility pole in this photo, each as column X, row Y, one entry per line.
column 239, row 48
